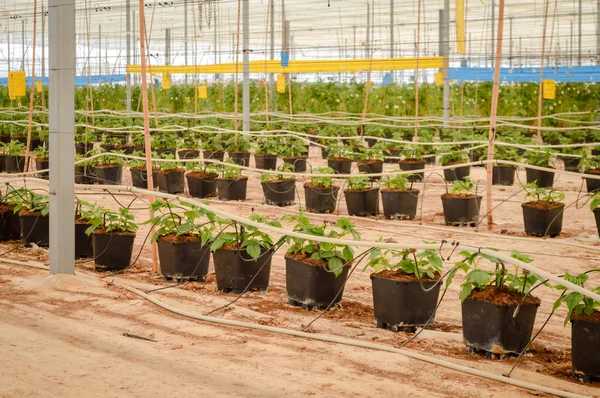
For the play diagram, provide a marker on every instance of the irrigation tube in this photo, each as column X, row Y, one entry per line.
column 326, row 338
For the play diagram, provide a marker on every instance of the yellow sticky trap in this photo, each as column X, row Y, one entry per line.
column 439, row 79
column 460, row 27
column 202, row 92
column 549, row 89
column 166, row 81
column 280, row 83
column 16, row 84
column 38, row 86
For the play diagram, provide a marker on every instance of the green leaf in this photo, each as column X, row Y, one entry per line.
column 253, row 250
column 465, row 292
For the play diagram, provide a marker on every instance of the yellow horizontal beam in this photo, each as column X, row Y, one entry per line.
column 304, row 66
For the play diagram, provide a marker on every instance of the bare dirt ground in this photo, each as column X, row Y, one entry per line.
column 68, row 340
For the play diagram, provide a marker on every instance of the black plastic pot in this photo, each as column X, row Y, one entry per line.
column 35, row 228
column 342, row 166
column 456, row 173
column 170, row 181
column 235, row 269
column 266, row 162
column 585, row 347
column 400, row 303
column 311, row 286
column 164, row 151
column 2, row 163
column 216, row 155
column 460, row 211
column 202, row 186
column 371, row 168
column 139, row 178
column 410, row 166
column 362, row 203
column 109, row 175
column 82, row 148
column 597, row 217
column 42, row 164
column 15, row 164
column 84, row 175
column 542, row 222
column 591, row 184
column 10, row 226
column 320, row 200
column 83, row 241
column 544, row 179
column 188, row 154
column 299, row 164
column 399, row 205
column 232, row 189
column 371, row 142
column 476, row 155
column 491, row 327
column 503, row 175
column 391, row 155
column 571, row 164
column 127, row 149
column 183, row 260
column 280, row 193
column 241, row 158
column 112, row 251
column 324, row 153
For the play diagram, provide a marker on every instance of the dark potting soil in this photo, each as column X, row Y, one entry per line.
column 170, row 171
column 360, row 190
column 307, row 259
column 5, row 207
column 458, row 195
column 180, row 239
column 371, row 161
column 113, row 232
column 398, row 190
column 282, row 180
column 308, row 184
column 202, row 174
column 26, row 213
column 593, row 317
column 106, row 166
column 494, row 295
column 400, row 275
column 544, row 205
column 413, row 160
column 339, row 159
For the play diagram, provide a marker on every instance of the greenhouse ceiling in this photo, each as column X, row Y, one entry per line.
column 319, row 29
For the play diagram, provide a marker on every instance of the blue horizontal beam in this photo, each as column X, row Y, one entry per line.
column 79, row 80
column 563, row 74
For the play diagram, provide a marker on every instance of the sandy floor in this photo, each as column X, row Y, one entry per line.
column 69, row 341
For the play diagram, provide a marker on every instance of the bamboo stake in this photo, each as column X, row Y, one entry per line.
column 492, row 134
column 416, row 136
column 541, row 86
column 147, row 140
column 32, row 90
column 368, row 84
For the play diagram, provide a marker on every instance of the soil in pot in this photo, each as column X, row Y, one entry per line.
column 371, row 167
column 489, row 325
column 35, row 228
column 42, row 164
column 188, row 154
column 232, row 189
column 280, row 193
column 320, row 200
column 544, row 179
column 585, row 346
column 112, row 251
column 171, row 181
column 399, row 205
column 266, row 162
column 108, row 174
column 84, row 175
column 362, row 203
column 413, row 164
column 241, row 158
column 14, row 164
column 216, row 155
column 83, row 241
column 461, row 210
column 237, row 272
column 299, row 164
column 591, row 184
column 503, row 175
column 183, row 257
column 543, row 218
column 456, row 173
column 202, row 185
column 310, row 284
column 399, row 301
column 340, row 165
column 10, row 224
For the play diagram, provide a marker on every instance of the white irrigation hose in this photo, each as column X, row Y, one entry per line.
column 333, row 339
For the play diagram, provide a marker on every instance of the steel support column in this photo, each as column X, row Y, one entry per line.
column 128, row 51
column 246, row 60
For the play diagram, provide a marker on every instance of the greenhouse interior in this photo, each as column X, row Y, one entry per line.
column 300, row 198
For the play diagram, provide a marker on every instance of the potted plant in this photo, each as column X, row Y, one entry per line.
column 543, row 178
column 584, row 314
column 42, row 162
column 391, row 150
column 413, row 161
column 15, row 159
column 498, row 313
column 370, row 161
column 84, row 141
column 293, row 152
column 213, row 148
column 279, row 189
column 108, row 169
column 233, row 185
column 340, row 159
column 316, row 272
column 84, row 170
column 170, row 176
column 202, row 180
column 398, row 197
column 543, row 214
column 362, row 198
column 137, row 168
column 165, row 143
column 33, row 210
column 595, row 208
column 239, row 150
column 504, row 174
column 242, row 258
column 183, row 243
column 84, row 213
column 110, row 142
column 320, row 194
column 571, row 156
column 406, row 285
column 591, row 165
column 190, row 146
column 455, row 157
column 113, row 234
column 266, row 154
column 10, row 223
column 461, row 206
